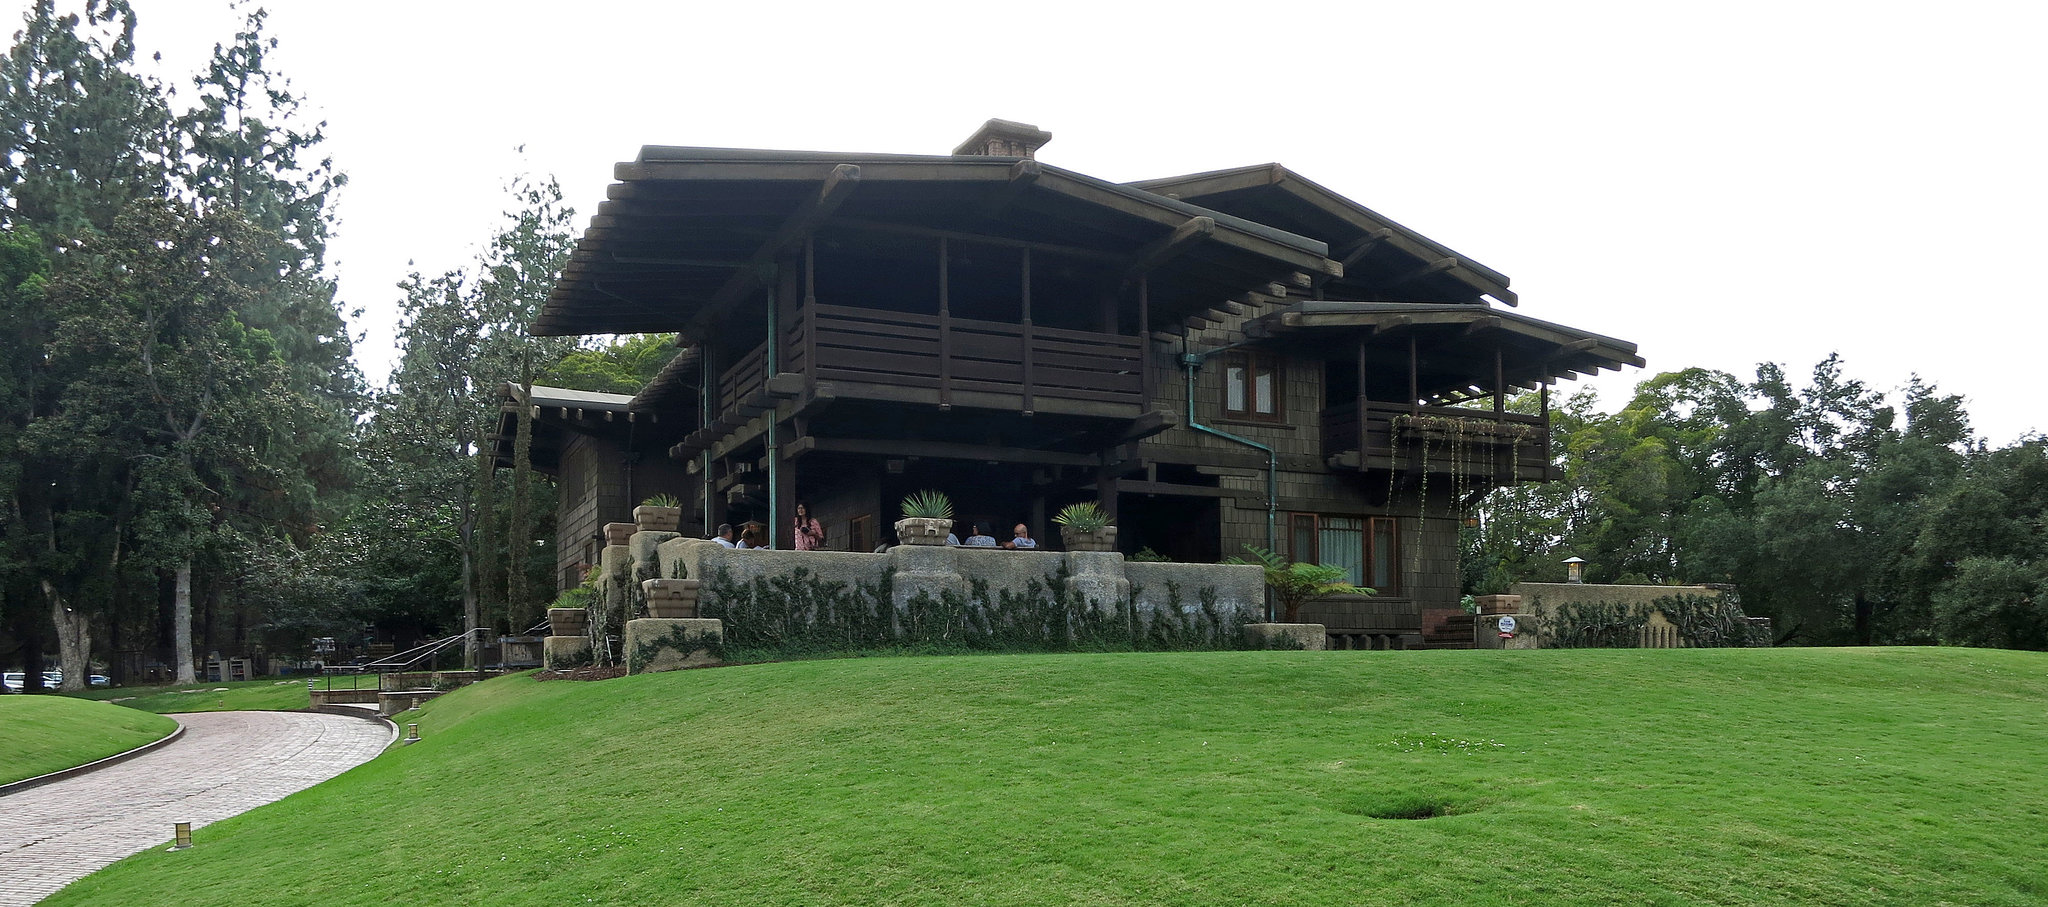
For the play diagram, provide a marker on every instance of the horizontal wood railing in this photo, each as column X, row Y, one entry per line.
column 840, row 343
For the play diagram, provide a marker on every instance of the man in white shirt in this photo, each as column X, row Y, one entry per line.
column 1023, row 539
column 724, row 537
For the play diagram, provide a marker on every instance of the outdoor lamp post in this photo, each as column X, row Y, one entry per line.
column 1575, row 569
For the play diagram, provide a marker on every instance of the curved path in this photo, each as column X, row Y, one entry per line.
column 226, row 764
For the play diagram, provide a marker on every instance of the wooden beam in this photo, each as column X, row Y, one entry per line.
column 949, row 451
column 1163, row 249
column 838, row 185
column 978, row 238
column 1022, row 175
column 1435, row 267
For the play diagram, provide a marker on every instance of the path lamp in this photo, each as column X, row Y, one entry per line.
column 1575, row 569
column 183, row 832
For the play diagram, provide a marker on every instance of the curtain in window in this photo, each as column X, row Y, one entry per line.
column 1385, row 554
column 1233, row 389
column 1341, row 541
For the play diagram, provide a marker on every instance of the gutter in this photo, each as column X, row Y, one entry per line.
column 1191, row 363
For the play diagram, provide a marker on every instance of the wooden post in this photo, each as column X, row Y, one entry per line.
column 1145, row 342
column 1363, row 409
column 945, row 327
column 1029, row 386
column 1543, row 401
column 1105, row 490
column 808, row 318
column 1500, row 385
column 1414, row 377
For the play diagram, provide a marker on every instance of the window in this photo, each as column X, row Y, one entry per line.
column 1251, row 387
column 1367, row 548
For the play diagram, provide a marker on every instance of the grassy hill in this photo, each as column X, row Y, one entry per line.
column 269, row 694
column 44, row 734
column 1865, row 776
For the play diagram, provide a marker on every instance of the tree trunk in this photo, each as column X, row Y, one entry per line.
column 74, row 641
column 181, row 624
column 518, row 597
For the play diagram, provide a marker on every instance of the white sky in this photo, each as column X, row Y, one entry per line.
column 1721, row 183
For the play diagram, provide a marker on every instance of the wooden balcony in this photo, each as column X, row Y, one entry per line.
column 1476, row 443
column 900, row 357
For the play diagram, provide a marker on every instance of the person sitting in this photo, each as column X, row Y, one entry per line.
column 952, row 541
column 754, row 536
column 1023, row 539
column 980, row 538
column 724, row 536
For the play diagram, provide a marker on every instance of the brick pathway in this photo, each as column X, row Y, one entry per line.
column 226, row 764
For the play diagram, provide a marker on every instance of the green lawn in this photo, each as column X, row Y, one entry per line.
column 1764, row 777
column 271, row 694
column 44, row 734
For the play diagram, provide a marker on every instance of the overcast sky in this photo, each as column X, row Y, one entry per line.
column 1723, row 184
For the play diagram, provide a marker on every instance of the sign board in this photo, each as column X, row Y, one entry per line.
column 1507, row 626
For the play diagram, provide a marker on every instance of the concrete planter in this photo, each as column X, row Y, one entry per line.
column 670, row 599
column 568, row 621
column 923, row 531
column 620, row 533
column 1103, row 539
column 658, row 519
column 1304, row 637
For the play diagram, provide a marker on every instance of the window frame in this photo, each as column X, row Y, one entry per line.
column 1369, row 533
column 1253, row 363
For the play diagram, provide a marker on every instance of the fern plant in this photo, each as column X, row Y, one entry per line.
column 1294, row 583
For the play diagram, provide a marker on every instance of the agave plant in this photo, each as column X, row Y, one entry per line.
column 1086, row 516
column 929, row 504
column 661, row 500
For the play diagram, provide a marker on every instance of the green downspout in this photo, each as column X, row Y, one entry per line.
column 774, row 447
column 1191, row 362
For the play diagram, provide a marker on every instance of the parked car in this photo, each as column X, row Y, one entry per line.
column 12, row 681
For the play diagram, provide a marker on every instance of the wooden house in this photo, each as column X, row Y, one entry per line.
column 1223, row 359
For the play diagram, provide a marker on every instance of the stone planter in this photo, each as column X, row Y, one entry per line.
column 568, row 622
column 1103, row 539
column 923, row 531
column 1499, row 604
column 671, row 598
column 620, row 533
column 658, row 519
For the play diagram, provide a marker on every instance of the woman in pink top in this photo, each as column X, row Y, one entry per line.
column 810, row 534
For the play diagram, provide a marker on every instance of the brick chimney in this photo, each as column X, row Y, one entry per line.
column 1004, row 138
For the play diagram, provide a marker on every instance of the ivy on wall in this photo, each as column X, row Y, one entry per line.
column 797, row 614
column 1703, row 621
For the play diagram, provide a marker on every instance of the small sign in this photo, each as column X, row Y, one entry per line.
column 1507, row 627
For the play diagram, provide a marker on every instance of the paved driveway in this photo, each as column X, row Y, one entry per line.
column 226, row 764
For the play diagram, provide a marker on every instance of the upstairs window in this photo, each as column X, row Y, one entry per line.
column 1251, row 387
column 1367, row 548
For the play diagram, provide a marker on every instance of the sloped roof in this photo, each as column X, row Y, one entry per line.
column 1532, row 350
column 1382, row 259
column 687, row 233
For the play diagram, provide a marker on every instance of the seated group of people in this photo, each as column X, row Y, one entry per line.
column 754, row 535
column 981, row 539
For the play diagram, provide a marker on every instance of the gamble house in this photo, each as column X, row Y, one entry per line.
column 1222, row 359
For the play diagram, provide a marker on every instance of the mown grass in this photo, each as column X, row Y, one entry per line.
column 44, row 734
column 267, row 695
column 1751, row 777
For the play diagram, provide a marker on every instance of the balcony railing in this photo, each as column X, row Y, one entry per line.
column 1439, row 439
column 988, row 364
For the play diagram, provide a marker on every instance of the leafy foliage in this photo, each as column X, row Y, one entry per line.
column 1295, row 584
column 929, row 504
